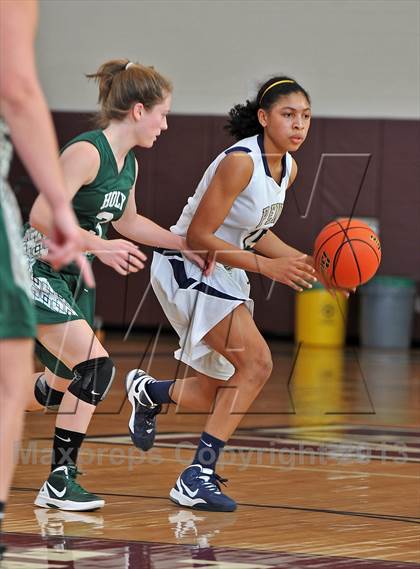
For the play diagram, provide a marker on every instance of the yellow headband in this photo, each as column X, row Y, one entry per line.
column 273, row 85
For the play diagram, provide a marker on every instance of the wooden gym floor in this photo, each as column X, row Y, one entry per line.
column 325, row 469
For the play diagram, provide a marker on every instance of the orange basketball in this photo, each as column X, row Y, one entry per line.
column 347, row 253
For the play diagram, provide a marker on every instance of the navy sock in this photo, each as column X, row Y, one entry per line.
column 159, row 391
column 65, row 447
column 208, row 451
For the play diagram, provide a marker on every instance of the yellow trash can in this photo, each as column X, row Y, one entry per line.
column 320, row 317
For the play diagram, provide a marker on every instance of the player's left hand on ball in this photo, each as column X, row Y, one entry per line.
column 322, row 278
column 346, row 292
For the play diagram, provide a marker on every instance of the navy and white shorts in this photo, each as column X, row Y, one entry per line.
column 194, row 304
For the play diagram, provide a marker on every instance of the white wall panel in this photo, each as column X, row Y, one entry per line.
column 357, row 58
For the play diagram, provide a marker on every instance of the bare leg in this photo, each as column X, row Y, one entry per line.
column 15, row 374
column 55, row 381
column 238, row 339
column 197, row 393
column 73, row 343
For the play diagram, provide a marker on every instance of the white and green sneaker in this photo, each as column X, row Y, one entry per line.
column 62, row 491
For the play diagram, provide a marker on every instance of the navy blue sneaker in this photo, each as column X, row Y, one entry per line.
column 199, row 488
column 142, row 423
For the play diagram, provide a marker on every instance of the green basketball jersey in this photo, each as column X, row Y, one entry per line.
column 95, row 204
column 104, row 199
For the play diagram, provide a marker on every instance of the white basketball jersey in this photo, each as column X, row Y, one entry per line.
column 258, row 206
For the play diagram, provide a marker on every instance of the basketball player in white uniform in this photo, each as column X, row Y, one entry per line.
column 238, row 200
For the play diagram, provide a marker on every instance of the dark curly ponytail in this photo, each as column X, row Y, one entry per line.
column 243, row 119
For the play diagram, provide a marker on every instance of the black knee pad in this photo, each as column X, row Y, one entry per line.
column 46, row 395
column 92, row 380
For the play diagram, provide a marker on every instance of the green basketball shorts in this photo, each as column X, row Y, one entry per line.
column 59, row 297
column 17, row 316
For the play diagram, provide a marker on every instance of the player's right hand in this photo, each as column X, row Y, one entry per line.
column 295, row 271
column 121, row 255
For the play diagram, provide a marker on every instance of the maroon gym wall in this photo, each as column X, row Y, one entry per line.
column 170, row 171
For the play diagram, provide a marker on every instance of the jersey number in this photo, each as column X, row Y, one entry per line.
column 103, row 217
column 253, row 237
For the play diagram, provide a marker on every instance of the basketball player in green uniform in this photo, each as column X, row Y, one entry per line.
column 100, row 170
column 30, row 128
